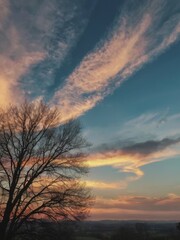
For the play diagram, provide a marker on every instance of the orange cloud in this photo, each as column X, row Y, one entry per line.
column 10, row 72
column 102, row 185
column 16, row 58
column 127, row 163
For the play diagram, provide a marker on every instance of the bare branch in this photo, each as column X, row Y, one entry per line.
column 40, row 167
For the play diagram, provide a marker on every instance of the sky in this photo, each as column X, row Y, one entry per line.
column 114, row 65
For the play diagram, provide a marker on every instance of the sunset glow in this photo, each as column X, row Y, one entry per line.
column 114, row 67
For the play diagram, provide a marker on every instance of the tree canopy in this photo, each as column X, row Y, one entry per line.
column 40, row 167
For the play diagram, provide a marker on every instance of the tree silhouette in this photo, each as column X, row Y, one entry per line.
column 40, row 167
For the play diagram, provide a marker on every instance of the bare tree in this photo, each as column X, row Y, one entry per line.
column 40, row 167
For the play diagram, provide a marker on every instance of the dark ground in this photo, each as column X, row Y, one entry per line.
column 103, row 230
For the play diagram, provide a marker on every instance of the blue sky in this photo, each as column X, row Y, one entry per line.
column 115, row 66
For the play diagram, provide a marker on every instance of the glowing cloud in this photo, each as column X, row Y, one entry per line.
column 131, row 159
column 138, row 35
column 102, row 185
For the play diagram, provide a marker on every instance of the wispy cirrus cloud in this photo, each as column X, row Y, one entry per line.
column 137, row 207
column 15, row 59
column 36, row 36
column 139, row 34
column 151, row 125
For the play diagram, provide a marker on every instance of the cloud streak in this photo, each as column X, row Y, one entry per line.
column 137, row 207
column 138, row 35
column 148, row 126
column 36, row 37
column 14, row 57
column 165, row 203
column 131, row 159
column 149, row 147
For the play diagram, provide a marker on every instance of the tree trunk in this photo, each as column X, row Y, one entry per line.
column 5, row 234
column 3, row 227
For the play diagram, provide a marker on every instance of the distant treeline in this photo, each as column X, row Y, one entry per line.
column 100, row 230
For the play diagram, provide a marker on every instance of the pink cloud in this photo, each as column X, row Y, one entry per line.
column 137, row 207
